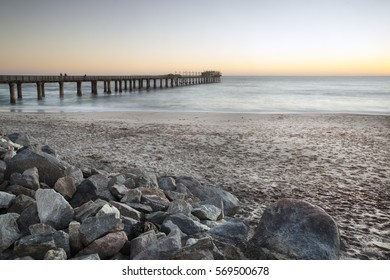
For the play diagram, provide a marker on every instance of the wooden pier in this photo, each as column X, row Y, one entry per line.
column 120, row 83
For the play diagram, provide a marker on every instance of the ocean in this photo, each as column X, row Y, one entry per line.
column 263, row 94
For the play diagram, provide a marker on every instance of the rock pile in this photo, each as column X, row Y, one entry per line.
column 52, row 210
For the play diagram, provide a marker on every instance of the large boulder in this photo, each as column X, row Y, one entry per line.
column 53, row 209
column 186, row 224
column 50, row 169
column 29, row 179
column 212, row 195
column 295, row 229
column 106, row 246
column 9, row 230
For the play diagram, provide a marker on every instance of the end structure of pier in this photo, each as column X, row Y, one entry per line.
column 121, row 83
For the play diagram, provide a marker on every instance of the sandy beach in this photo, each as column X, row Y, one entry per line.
column 338, row 162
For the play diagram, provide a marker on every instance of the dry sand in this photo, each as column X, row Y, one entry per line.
column 338, row 162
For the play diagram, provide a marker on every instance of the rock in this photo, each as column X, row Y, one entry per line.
column 9, row 230
column 88, row 209
column 186, row 224
column 214, row 195
column 202, row 249
column 116, row 180
column 18, row 190
column 40, row 228
column 146, row 180
column 109, row 209
column 167, row 184
column 53, row 209
column 20, row 203
column 132, row 196
column 66, row 186
column 157, row 217
column 91, row 189
column 126, row 210
column 3, row 167
column 168, row 226
column 119, row 191
column 6, row 199
column 35, row 246
column 75, row 173
column 233, row 232
column 179, row 206
column 50, row 169
column 19, row 138
column 91, row 257
column 295, row 229
column 108, row 245
column 142, row 242
column 207, row 212
column 55, row 254
column 74, row 237
column 163, row 249
column 29, row 179
column 140, row 207
column 28, row 216
column 95, row 227
column 156, row 202
column 172, row 195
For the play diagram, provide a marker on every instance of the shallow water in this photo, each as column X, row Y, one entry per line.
column 363, row 95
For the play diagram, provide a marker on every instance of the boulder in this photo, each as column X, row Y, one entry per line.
column 214, row 196
column 167, row 183
column 163, row 249
column 20, row 138
column 202, row 249
column 132, row 196
column 207, row 212
column 233, row 232
column 53, row 209
column 186, row 224
column 66, row 186
column 74, row 237
column 20, row 203
column 106, row 246
column 55, row 254
column 50, row 169
column 142, row 242
column 3, row 167
column 109, row 209
column 29, row 179
column 18, row 190
column 179, row 206
column 95, row 227
column 6, row 199
column 157, row 217
column 35, row 246
column 88, row 209
column 118, row 190
column 295, row 229
column 156, row 202
column 126, row 210
column 28, row 216
column 9, row 230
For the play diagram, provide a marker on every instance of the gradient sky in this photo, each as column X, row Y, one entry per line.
column 244, row 37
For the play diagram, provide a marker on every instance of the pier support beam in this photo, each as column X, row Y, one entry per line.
column 94, row 87
column 12, row 93
column 39, row 90
column 105, row 86
column 130, row 85
column 109, row 87
column 148, row 83
column 116, row 86
column 79, row 90
column 120, row 85
column 61, row 89
column 20, row 94
column 43, row 89
column 125, row 81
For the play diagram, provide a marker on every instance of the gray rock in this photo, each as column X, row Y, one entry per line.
column 55, row 254
column 95, row 227
column 142, row 242
column 74, row 237
column 186, row 224
column 167, row 184
column 157, row 217
column 126, row 210
column 35, row 246
column 156, row 202
column 20, row 203
column 179, row 206
column 202, row 249
column 75, row 173
column 28, row 216
column 50, row 169
column 140, row 207
column 66, row 186
column 6, row 199
column 29, row 179
column 294, row 229
column 18, row 190
column 233, row 232
column 168, row 226
column 40, row 228
column 3, row 167
column 132, row 196
column 91, row 189
column 207, row 212
column 116, row 180
column 9, row 230
column 91, row 257
column 118, row 190
column 146, row 180
column 163, row 249
column 172, row 195
column 53, row 209
column 106, row 246
column 108, row 209
column 88, row 209
column 20, row 138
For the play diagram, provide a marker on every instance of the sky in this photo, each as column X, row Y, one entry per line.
column 241, row 37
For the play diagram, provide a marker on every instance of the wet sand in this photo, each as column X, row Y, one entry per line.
column 338, row 162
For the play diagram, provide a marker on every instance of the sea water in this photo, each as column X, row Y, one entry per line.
column 265, row 94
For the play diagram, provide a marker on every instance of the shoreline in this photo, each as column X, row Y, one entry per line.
column 339, row 162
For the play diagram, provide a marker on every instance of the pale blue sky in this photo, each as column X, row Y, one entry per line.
column 263, row 37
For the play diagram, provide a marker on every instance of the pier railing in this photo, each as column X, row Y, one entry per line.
column 121, row 82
